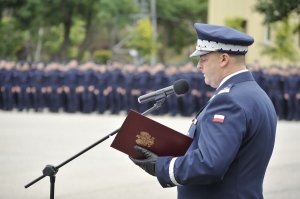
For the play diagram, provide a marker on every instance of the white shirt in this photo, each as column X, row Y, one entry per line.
column 231, row 75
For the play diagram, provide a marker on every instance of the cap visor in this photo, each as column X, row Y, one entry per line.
column 199, row 53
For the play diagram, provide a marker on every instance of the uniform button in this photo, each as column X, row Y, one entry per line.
column 168, row 185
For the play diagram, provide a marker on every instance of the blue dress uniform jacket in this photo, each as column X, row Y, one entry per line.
column 233, row 139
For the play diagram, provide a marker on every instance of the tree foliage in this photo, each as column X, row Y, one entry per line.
column 279, row 13
column 176, row 20
column 236, row 23
column 11, row 44
column 282, row 48
column 67, row 29
column 141, row 39
column 276, row 10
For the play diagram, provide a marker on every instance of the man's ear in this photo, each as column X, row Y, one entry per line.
column 224, row 59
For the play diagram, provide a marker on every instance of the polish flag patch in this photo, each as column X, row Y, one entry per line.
column 218, row 118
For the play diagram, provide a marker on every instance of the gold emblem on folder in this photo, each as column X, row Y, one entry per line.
column 145, row 139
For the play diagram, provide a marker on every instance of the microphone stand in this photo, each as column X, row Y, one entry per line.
column 51, row 170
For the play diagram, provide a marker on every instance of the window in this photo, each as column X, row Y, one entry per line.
column 267, row 36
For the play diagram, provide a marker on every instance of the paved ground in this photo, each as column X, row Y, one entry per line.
column 29, row 141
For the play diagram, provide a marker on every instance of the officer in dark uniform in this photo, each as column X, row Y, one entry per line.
column 23, row 83
column 298, row 94
column 2, row 74
column 192, row 99
column 55, row 87
column 133, row 90
column 46, row 87
column 173, row 75
column 234, row 134
column 258, row 74
column 7, row 86
column 31, row 85
column 274, row 89
column 88, row 102
column 129, row 71
column 121, row 91
column 159, row 80
column 144, row 84
column 291, row 87
column 37, row 83
column 117, row 96
column 69, row 84
column 101, row 79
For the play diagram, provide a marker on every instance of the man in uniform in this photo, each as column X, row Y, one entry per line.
column 274, row 88
column 233, row 135
column 291, row 89
column 69, row 87
column 8, row 85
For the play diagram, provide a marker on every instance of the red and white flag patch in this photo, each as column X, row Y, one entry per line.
column 218, row 118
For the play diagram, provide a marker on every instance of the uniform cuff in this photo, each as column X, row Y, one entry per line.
column 172, row 173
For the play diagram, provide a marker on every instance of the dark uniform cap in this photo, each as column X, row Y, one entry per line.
column 220, row 38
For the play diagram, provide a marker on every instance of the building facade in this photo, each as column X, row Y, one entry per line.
column 220, row 10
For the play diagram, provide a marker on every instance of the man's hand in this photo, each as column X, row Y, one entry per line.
column 147, row 164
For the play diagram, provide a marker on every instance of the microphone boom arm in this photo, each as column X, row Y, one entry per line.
column 51, row 170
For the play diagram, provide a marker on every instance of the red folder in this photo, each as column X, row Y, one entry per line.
column 140, row 130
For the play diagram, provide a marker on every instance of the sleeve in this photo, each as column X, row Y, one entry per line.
column 220, row 130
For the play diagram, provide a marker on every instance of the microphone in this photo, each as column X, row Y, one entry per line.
column 179, row 87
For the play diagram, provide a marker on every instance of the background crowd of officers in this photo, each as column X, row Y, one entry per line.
column 115, row 87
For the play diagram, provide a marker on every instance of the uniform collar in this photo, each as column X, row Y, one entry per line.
column 237, row 77
column 231, row 75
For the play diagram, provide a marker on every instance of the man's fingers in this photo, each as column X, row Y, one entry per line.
column 136, row 161
column 143, row 151
column 139, row 149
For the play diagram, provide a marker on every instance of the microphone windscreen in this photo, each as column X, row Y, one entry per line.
column 181, row 86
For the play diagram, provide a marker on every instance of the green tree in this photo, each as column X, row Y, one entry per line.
column 278, row 14
column 175, row 23
column 70, row 27
column 141, row 39
column 10, row 39
column 53, row 38
column 64, row 29
column 282, row 48
column 104, row 18
column 34, row 15
column 236, row 23
column 277, row 10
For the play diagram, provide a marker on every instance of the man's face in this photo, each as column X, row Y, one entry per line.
column 209, row 65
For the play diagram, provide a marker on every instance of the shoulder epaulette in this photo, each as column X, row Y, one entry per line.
column 225, row 90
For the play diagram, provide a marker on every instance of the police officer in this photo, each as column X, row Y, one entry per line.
column 55, row 87
column 191, row 98
column 36, row 82
column 69, row 86
column 101, row 79
column 117, row 96
column 133, row 90
column 234, row 134
column 2, row 74
column 291, row 87
column 159, row 79
column 258, row 74
column 274, row 88
column 88, row 101
column 144, row 84
column 23, row 84
column 8, row 85
column 173, row 75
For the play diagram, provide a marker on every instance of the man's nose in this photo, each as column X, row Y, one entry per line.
column 199, row 66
